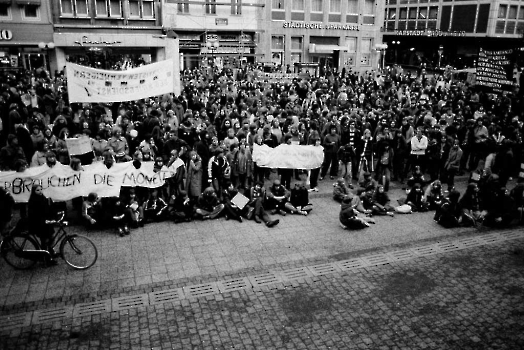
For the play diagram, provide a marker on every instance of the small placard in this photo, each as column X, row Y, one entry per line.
column 240, row 200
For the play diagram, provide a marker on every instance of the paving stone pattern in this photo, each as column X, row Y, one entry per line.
column 466, row 299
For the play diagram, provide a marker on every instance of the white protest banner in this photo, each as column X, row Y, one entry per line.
column 86, row 84
column 289, row 156
column 80, row 145
column 62, row 183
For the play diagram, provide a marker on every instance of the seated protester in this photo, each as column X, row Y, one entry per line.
column 208, row 205
column 449, row 214
column 501, row 212
column 370, row 204
column 472, row 206
column 278, row 200
column 367, row 182
column 340, row 190
column 415, row 199
column 518, row 196
column 231, row 210
column 119, row 217
column 434, row 195
column 7, row 204
column 257, row 198
column 134, row 210
column 417, row 178
column 180, row 208
column 382, row 200
column 155, row 207
column 348, row 216
column 91, row 210
column 299, row 198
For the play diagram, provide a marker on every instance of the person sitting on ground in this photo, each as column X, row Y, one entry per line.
column 417, row 178
column 349, row 218
column 367, row 182
column 208, row 205
column 382, row 200
column 257, row 198
column 472, row 206
column 449, row 214
column 278, row 200
column 155, row 207
column 502, row 211
column 434, row 195
column 119, row 217
column 370, row 204
column 231, row 209
column 92, row 210
column 415, row 199
column 180, row 208
column 340, row 190
column 134, row 210
column 299, row 198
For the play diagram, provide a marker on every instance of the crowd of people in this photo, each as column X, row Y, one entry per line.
column 374, row 129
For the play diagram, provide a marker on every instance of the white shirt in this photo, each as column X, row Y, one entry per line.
column 418, row 147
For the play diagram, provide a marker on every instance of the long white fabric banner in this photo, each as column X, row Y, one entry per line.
column 86, row 84
column 289, row 156
column 63, row 183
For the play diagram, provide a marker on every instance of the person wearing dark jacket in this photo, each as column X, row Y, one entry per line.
column 257, row 199
column 331, row 145
column 11, row 153
column 208, row 205
column 41, row 215
column 450, row 213
column 348, row 217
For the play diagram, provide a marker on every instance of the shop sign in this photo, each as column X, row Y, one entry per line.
column 221, row 21
column 86, row 41
column 211, row 37
column 432, row 33
column 189, row 37
column 6, row 34
column 328, row 26
column 228, row 37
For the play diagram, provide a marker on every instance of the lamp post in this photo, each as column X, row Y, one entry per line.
column 213, row 47
column 46, row 47
column 382, row 49
column 440, row 52
column 395, row 45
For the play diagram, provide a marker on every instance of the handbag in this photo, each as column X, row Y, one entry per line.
column 227, row 172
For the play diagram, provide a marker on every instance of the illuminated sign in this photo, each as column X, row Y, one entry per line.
column 429, row 33
column 307, row 25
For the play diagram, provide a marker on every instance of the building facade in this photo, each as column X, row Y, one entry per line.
column 332, row 33
column 26, row 34
column 450, row 32
column 215, row 32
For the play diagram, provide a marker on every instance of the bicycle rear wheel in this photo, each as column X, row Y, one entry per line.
column 79, row 252
column 11, row 248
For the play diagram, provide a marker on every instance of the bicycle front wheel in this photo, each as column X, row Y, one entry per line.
column 12, row 250
column 79, row 252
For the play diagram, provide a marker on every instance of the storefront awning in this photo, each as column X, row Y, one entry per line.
column 313, row 48
column 28, row 2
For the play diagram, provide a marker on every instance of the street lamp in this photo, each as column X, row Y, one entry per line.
column 45, row 47
column 395, row 45
column 382, row 48
column 440, row 52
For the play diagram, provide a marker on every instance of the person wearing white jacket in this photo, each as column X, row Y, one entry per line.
column 419, row 144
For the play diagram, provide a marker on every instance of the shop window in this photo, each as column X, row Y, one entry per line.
column 211, row 7
column 296, row 43
column 278, row 4
column 298, row 5
column 183, row 8
column 295, row 57
column 5, row 12
column 74, row 8
column 334, row 6
column 109, row 8
column 503, row 9
column 143, row 9
column 236, row 7
column 31, row 12
column 277, row 42
column 316, row 5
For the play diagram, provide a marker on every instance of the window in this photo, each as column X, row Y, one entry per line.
column 365, row 49
column 423, row 13
column 392, row 14
column 316, row 5
column 277, row 42
column 512, row 12
column 433, row 12
column 109, row 8
column 413, row 13
column 298, row 5
column 5, row 11
column 352, row 6
column 296, row 43
column 334, row 6
column 141, row 9
column 295, row 58
column 236, row 7
column 521, row 12
column 211, row 7
column 369, row 7
column 278, row 4
column 351, row 44
column 73, row 8
column 183, row 8
column 503, row 9
column 31, row 12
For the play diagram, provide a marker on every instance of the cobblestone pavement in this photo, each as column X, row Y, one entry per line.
column 467, row 299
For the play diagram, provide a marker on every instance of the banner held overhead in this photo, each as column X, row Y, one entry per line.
column 86, row 84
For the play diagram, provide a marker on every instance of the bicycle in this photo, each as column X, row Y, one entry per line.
column 22, row 249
